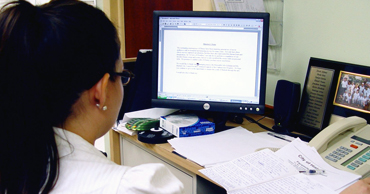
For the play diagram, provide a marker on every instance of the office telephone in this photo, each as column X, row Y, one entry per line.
column 345, row 145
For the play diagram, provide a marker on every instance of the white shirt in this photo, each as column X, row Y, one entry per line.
column 366, row 92
column 84, row 169
column 356, row 96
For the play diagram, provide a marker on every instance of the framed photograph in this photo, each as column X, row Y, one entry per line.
column 353, row 91
column 333, row 87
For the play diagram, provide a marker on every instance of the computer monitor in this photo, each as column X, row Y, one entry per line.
column 210, row 61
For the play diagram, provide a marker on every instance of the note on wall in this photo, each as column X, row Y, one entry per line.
column 242, row 6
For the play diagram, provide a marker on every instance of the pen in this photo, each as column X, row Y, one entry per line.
column 278, row 136
column 179, row 154
column 312, row 172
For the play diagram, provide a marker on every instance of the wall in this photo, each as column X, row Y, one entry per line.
column 330, row 29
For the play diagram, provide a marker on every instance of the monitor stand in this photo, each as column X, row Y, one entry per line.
column 220, row 119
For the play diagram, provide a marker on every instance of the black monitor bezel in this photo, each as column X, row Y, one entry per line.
column 214, row 106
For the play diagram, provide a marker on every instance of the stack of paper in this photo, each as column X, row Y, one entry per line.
column 267, row 172
column 224, row 146
column 304, row 157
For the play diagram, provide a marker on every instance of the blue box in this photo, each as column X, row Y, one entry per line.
column 186, row 125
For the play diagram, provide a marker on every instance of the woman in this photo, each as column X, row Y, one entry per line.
column 60, row 91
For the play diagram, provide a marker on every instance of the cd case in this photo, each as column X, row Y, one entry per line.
column 185, row 125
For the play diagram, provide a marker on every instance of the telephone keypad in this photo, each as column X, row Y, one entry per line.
column 342, row 152
column 330, row 158
column 359, row 161
column 338, row 154
column 359, row 143
column 351, row 167
column 362, row 159
column 345, row 149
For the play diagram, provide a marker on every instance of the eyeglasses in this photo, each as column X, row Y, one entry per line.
column 126, row 76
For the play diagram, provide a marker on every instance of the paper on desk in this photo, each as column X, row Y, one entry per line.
column 280, row 142
column 220, row 147
column 303, row 157
column 266, row 172
column 122, row 127
column 154, row 113
column 263, row 172
column 248, row 170
column 296, row 184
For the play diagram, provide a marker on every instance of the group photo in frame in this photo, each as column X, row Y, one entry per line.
column 353, row 91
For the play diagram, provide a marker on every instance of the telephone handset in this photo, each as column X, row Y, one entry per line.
column 345, row 144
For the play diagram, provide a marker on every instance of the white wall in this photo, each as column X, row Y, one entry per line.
column 331, row 29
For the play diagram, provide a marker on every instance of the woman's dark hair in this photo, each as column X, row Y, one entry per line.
column 49, row 55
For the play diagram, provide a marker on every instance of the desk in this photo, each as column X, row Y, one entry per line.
column 127, row 150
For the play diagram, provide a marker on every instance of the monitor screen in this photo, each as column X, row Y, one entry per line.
column 213, row 61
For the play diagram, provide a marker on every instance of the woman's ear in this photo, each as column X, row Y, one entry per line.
column 99, row 91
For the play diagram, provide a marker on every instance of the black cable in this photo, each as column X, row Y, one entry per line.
column 281, row 131
column 259, row 124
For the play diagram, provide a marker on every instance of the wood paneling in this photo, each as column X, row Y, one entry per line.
column 138, row 16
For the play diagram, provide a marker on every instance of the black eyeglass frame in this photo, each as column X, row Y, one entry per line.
column 125, row 74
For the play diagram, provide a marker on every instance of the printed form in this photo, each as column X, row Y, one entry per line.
column 267, row 172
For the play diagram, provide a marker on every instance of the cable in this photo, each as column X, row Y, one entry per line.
column 283, row 131
column 259, row 124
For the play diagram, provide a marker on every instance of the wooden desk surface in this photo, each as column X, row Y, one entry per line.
column 165, row 150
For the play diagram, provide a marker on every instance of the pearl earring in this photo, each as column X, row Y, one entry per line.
column 104, row 107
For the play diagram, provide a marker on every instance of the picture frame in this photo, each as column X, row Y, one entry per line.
column 322, row 94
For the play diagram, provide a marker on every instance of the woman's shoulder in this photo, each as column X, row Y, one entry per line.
column 97, row 175
column 150, row 178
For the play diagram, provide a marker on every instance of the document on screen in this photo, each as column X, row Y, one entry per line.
column 199, row 61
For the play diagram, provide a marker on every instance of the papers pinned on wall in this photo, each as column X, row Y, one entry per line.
column 242, row 6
